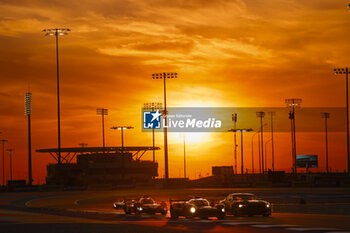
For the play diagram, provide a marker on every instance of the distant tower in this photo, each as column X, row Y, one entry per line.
column 28, row 113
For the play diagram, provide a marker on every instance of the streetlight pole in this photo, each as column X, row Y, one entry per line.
column 261, row 115
column 346, row 72
column 292, row 104
column 266, row 153
column 11, row 151
column 103, row 112
column 28, row 113
column 184, row 157
column 241, row 131
column 122, row 128
column 3, row 141
column 234, row 119
column 272, row 142
column 253, row 151
column 153, row 107
column 326, row 115
column 57, row 32
column 165, row 76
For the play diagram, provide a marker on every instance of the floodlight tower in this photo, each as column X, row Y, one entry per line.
column 326, row 116
column 253, row 150
column 10, row 151
column 241, row 131
column 272, row 141
column 103, row 112
column 261, row 116
column 153, row 107
column 292, row 104
column 3, row 141
column 234, row 119
column 122, row 128
column 165, row 76
column 57, row 32
column 28, row 113
column 345, row 71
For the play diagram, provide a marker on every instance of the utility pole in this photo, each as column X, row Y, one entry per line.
column 272, row 142
column 346, row 72
column 28, row 113
column 261, row 115
column 234, row 119
column 326, row 115
column 165, row 76
column 153, row 107
column 57, row 32
column 292, row 104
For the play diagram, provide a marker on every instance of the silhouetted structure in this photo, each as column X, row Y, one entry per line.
column 165, row 76
column 96, row 165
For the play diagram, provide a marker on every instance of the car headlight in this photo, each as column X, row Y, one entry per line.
column 223, row 210
column 241, row 205
column 192, row 210
column 268, row 205
column 140, row 208
column 114, row 205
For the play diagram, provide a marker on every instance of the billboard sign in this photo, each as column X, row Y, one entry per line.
column 307, row 161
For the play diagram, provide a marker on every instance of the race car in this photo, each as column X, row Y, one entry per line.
column 144, row 204
column 246, row 204
column 196, row 207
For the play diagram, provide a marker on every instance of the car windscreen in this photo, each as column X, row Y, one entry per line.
column 147, row 201
column 199, row 203
column 244, row 197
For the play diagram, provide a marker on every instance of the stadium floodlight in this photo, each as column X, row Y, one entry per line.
column 10, row 151
column 261, row 115
column 165, row 76
column 57, row 32
column 234, row 120
column 292, row 104
column 3, row 141
column 122, row 128
column 28, row 113
column 326, row 116
column 241, row 131
column 272, row 114
column 153, row 106
column 103, row 112
column 345, row 71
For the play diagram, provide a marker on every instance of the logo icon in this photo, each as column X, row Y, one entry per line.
column 151, row 119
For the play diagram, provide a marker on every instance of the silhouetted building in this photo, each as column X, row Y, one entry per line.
column 95, row 165
column 222, row 171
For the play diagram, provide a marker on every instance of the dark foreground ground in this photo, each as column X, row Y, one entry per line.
column 326, row 210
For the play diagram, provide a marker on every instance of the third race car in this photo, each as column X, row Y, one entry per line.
column 196, row 207
column 246, row 204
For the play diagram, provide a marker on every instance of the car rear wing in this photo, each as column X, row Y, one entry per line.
column 176, row 200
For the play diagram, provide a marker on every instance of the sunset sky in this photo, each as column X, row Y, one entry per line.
column 228, row 53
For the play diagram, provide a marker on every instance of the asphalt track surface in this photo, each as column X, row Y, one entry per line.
column 93, row 212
